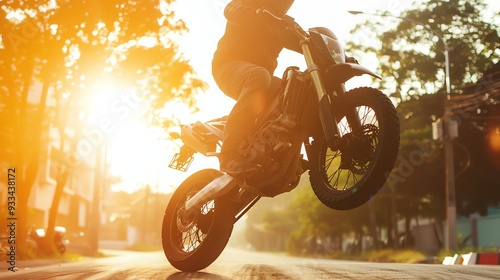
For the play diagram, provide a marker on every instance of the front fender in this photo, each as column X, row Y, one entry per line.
column 340, row 73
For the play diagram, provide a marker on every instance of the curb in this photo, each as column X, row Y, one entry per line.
column 488, row 258
column 473, row 259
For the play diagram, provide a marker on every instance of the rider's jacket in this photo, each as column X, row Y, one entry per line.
column 253, row 37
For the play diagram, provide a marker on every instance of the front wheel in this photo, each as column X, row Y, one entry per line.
column 347, row 177
column 193, row 242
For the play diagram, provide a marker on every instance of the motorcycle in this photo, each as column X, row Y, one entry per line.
column 60, row 241
column 350, row 138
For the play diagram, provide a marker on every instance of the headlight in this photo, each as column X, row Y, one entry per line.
column 335, row 49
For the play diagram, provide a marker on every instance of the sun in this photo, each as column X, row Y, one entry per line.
column 112, row 116
column 137, row 152
column 140, row 158
column 137, row 156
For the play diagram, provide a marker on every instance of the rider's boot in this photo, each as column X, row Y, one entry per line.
column 233, row 159
column 238, row 166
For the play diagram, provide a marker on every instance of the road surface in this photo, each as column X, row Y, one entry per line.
column 238, row 264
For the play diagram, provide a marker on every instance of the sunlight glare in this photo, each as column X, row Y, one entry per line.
column 493, row 144
column 494, row 140
column 147, row 42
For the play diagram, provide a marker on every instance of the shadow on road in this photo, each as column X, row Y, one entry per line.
column 196, row 275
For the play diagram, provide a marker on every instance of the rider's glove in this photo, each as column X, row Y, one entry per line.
column 278, row 22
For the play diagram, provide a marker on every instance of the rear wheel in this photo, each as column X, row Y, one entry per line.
column 369, row 128
column 193, row 242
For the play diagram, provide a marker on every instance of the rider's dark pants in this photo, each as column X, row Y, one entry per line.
column 250, row 85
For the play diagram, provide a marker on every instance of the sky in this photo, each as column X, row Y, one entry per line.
column 206, row 23
column 204, row 18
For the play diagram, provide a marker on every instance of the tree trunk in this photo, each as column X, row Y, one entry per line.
column 373, row 224
column 393, row 222
column 96, row 217
column 390, row 230
column 408, row 236
column 63, row 173
column 23, row 161
column 48, row 246
column 359, row 240
column 145, row 221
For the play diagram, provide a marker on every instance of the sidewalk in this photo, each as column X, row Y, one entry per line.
column 67, row 258
column 27, row 264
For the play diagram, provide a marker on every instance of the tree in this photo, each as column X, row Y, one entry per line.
column 412, row 63
column 412, row 58
column 419, row 166
column 478, row 112
column 20, row 59
column 70, row 46
column 315, row 220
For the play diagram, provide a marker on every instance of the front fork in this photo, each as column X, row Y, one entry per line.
column 327, row 118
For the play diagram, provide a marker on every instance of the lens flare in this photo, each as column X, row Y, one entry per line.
column 493, row 141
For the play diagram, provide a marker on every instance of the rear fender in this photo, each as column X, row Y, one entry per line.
column 202, row 137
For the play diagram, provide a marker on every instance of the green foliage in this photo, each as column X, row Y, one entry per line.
column 412, row 62
column 393, row 256
column 144, row 247
column 315, row 218
column 74, row 46
column 412, row 58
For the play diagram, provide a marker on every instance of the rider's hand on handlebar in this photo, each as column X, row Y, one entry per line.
column 269, row 17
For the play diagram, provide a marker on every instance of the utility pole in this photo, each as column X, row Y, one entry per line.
column 450, row 133
column 95, row 217
column 145, row 220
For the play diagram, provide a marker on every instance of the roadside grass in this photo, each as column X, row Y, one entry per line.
column 145, row 247
column 68, row 256
column 396, row 256
column 72, row 256
column 404, row 255
column 386, row 255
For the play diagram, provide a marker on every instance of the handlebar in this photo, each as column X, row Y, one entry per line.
column 290, row 24
column 265, row 11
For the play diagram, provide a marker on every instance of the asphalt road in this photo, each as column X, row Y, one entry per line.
column 237, row 264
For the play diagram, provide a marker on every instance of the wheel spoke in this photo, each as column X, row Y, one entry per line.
column 344, row 173
column 347, row 180
column 330, row 178
column 191, row 238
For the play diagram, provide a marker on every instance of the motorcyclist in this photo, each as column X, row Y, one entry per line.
column 243, row 67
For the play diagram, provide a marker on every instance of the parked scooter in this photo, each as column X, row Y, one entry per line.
column 59, row 237
column 7, row 242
